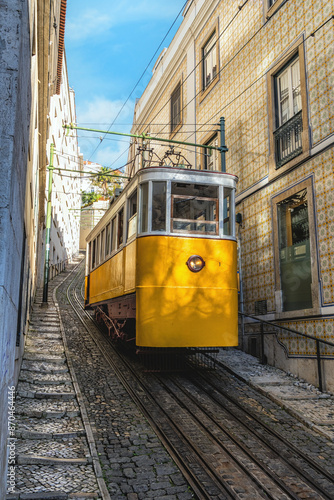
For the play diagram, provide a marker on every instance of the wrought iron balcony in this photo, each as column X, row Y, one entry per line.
column 288, row 140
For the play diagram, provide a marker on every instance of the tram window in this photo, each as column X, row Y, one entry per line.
column 113, row 234
column 132, row 212
column 107, row 246
column 120, row 228
column 159, row 206
column 144, row 208
column 102, row 246
column 227, row 212
column 194, row 209
column 98, row 250
column 94, row 254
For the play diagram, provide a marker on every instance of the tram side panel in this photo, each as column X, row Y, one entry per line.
column 179, row 308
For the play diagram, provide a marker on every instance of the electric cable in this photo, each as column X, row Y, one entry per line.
column 142, row 75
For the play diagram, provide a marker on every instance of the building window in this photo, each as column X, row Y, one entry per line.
column 211, row 161
column 289, row 125
column 209, row 61
column 271, row 6
column 176, row 116
column 288, row 111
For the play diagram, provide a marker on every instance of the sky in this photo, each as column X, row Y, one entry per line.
column 109, row 44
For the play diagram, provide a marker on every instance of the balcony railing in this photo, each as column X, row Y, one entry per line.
column 288, row 140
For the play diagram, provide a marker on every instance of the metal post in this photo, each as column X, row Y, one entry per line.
column 319, row 365
column 48, row 229
column 263, row 361
column 222, row 148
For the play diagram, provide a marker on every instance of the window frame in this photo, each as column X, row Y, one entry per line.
column 208, row 142
column 175, row 126
column 294, row 51
column 270, row 9
column 205, row 89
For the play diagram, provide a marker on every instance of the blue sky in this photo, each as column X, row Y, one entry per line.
column 108, row 46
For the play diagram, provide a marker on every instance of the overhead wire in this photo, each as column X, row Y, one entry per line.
column 212, row 117
column 191, row 72
column 142, row 75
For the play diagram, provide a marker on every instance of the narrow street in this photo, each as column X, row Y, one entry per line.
column 81, row 435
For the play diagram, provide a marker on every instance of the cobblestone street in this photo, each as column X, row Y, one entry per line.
column 80, row 435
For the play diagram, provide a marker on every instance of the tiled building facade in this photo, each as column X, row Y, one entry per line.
column 266, row 66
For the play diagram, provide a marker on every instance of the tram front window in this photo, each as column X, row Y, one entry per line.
column 194, row 209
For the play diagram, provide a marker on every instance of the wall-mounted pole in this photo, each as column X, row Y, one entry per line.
column 48, row 228
column 223, row 149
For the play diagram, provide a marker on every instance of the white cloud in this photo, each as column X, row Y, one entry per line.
column 99, row 114
column 100, row 110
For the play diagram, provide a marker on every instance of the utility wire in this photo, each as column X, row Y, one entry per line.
column 142, row 75
column 191, row 72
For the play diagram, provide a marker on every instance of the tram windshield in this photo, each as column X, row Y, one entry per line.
column 194, row 208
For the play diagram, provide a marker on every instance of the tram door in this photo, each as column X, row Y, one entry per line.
column 294, row 252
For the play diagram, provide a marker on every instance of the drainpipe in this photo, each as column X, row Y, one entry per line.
column 48, row 229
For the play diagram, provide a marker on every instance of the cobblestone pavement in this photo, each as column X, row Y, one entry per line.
column 305, row 402
column 79, row 431
column 53, row 457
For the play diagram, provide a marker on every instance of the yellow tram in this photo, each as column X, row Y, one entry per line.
column 164, row 259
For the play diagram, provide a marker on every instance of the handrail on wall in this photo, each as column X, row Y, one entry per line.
column 291, row 330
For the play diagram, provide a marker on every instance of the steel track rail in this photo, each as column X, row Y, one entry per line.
column 310, row 462
column 87, row 321
column 266, row 443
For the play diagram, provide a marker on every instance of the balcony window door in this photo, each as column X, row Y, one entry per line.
column 288, row 134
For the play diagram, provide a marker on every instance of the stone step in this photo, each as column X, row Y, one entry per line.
column 63, row 396
column 38, row 356
column 42, row 366
column 53, row 495
column 44, row 336
column 53, row 428
column 46, row 408
column 44, row 378
column 47, row 347
column 41, row 460
column 48, row 436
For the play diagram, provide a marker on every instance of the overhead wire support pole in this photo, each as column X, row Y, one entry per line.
column 223, row 149
column 48, row 228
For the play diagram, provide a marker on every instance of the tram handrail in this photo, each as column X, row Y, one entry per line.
column 291, row 330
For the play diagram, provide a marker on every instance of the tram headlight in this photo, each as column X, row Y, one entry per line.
column 195, row 263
